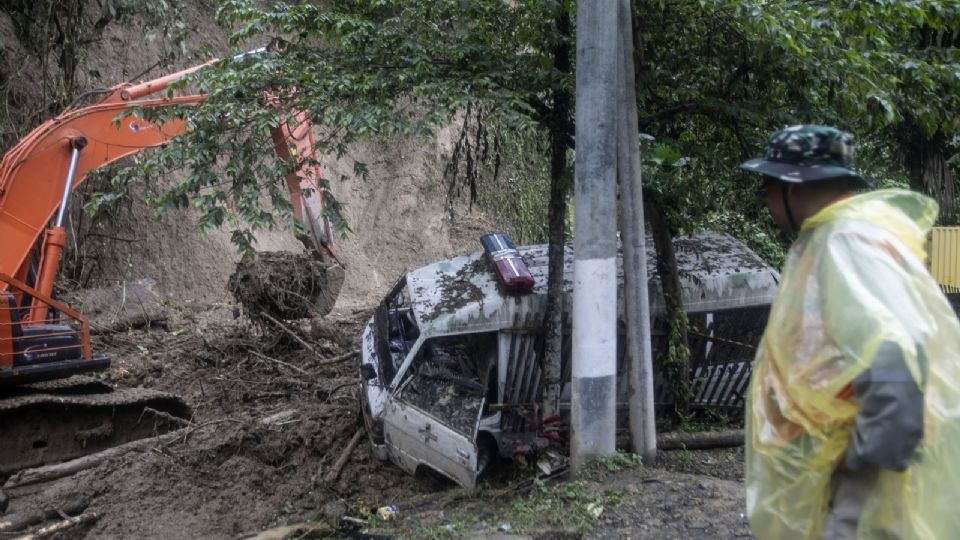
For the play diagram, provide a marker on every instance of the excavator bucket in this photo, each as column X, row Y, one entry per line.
column 285, row 285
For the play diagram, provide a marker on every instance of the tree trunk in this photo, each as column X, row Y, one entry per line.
column 703, row 439
column 929, row 173
column 557, row 230
column 676, row 359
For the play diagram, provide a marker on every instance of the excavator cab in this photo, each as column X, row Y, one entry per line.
column 39, row 343
column 47, row 416
column 52, row 348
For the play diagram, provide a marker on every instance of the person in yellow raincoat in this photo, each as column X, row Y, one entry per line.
column 853, row 415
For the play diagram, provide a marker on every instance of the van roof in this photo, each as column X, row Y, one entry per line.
column 461, row 294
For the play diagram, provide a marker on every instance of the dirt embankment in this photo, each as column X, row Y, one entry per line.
column 399, row 215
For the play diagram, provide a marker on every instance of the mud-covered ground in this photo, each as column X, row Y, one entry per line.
column 610, row 502
column 271, row 419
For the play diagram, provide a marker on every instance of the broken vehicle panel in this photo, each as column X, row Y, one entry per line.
column 442, row 395
column 451, row 362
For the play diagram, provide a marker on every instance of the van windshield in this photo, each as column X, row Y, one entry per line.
column 450, row 378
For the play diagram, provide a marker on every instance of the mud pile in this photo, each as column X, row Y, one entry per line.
column 281, row 285
column 274, row 413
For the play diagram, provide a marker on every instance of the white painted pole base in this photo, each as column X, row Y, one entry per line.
column 593, row 419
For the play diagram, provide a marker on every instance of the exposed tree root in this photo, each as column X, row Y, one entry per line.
column 19, row 522
column 283, row 285
column 57, row 528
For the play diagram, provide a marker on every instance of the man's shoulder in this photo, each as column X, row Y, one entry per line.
column 853, row 234
column 858, row 242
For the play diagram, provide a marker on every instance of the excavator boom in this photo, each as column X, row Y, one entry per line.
column 33, row 173
column 38, row 175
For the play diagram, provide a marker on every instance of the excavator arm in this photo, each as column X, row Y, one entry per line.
column 38, row 175
column 46, row 415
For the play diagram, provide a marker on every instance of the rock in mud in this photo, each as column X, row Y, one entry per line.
column 285, row 285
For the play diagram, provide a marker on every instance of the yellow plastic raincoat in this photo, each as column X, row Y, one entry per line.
column 855, row 278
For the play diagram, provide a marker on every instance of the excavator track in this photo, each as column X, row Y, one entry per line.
column 64, row 419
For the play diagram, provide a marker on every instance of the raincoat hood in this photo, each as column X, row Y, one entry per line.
column 853, row 281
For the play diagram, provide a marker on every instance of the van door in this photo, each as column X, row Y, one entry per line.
column 432, row 418
column 415, row 438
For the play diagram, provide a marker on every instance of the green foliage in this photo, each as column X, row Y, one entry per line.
column 567, row 505
column 716, row 77
column 360, row 69
column 616, row 462
column 708, row 420
column 563, row 507
column 676, row 361
column 878, row 62
column 517, row 199
column 757, row 232
column 101, row 199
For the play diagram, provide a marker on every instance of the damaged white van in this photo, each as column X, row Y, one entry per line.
column 451, row 363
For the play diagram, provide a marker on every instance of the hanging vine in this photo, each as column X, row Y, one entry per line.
column 476, row 150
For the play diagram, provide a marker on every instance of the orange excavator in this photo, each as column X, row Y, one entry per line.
column 48, row 412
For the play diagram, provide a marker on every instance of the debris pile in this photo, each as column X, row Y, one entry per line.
column 285, row 286
column 275, row 432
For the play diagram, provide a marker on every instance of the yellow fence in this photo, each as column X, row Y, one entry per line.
column 945, row 257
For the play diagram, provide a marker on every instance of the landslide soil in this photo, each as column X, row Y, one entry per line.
column 275, row 407
column 272, row 417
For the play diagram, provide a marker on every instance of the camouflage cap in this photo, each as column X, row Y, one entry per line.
column 808, row 153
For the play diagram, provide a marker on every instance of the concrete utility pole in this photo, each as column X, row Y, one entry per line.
column 643, row 433
column 593, row 406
